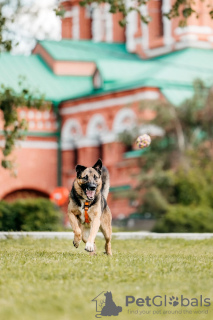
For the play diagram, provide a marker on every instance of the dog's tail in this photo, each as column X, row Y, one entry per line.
column 105, row 182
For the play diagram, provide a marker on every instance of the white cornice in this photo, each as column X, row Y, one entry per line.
column 149, row 95
column 194, row 29
column 35, row 144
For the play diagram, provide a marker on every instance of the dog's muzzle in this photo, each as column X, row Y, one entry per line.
column 90, row 191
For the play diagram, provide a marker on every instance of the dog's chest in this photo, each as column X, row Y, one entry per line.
column 82, row 213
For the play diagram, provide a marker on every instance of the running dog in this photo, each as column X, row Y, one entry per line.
column 88, row 210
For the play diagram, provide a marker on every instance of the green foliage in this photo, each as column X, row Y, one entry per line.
column 154, row 202
column 5, row 45
column 10, row 100
column 128, row 137
column 191, row 187
column 186, row 219
column 30, row 215
column 120, row 6
column 176, row 170
column 180, row 8
column 15, row 128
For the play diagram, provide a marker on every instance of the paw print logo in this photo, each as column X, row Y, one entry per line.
column 173, row 301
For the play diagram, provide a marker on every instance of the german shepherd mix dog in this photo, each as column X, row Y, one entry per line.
column 88, row 210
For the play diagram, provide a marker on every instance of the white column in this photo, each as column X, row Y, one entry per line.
column 145, row 29
column 97, row 34
column 131, row 28
column 167, row 24
column 75, row 23
column 108, row 23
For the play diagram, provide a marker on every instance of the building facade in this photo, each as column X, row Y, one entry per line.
column 97, row 78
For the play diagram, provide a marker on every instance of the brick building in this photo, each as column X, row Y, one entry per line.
column 95, row 78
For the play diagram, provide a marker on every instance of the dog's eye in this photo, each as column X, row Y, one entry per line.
column 86, row 177
column 95, row 177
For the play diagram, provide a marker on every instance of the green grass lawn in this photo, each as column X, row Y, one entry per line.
column 50, row 279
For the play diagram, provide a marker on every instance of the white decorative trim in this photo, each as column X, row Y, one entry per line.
column 92, row 129
column 194, row 29
column 35, row 144
column 152, row 130
column 46, row 114
column 158, row 51
column 70, row 124
column 88, row 11
column 75, row 23
column 22, row 114
column 145, row 29
column 193, row 44
column 108, row 23
column 110, row 137
column 38, row 115
column 119, row 125
column 67, row 145
column 149, row 94
column 189, row 37
column 39, row 124
column 167, row 24
column 91, row 140
column 87, row 142
column 131, row 28
column 96, row 24
column 31, row 114
column 31, row 124
column 68, row 14
column 47, row 124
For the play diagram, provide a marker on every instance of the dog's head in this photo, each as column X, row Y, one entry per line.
column 108, row 294
column 89, row 180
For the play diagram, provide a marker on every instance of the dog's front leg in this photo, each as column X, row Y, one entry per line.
column 95, row 224
column 77, row 231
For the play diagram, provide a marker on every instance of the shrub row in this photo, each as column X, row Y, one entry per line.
column 186, row 219
column 30, row 215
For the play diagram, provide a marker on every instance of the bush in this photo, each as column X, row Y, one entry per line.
column 154, row 202
column 30, row 215
column 186, row 219
column 191, row 187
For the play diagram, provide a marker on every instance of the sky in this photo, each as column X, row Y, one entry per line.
column 36, row 20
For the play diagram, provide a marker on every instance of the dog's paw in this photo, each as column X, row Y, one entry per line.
column 76, row 243
column 89, row 246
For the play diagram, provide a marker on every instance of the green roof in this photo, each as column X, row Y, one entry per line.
column 39, row 77
column 86, row 50
column 172, row 73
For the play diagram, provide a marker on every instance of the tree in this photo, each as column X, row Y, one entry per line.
column 10, row 101
column 176, row 169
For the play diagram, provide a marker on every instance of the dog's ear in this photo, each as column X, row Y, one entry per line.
column 79, row 169
column 98, row 166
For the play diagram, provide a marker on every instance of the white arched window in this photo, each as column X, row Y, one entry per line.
column 96, row 127
column 125, row 119
column 71, row 132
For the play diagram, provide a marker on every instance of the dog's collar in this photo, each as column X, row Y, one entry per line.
column 86, row 207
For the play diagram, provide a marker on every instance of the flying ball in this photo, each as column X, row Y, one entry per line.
column 143, row 141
